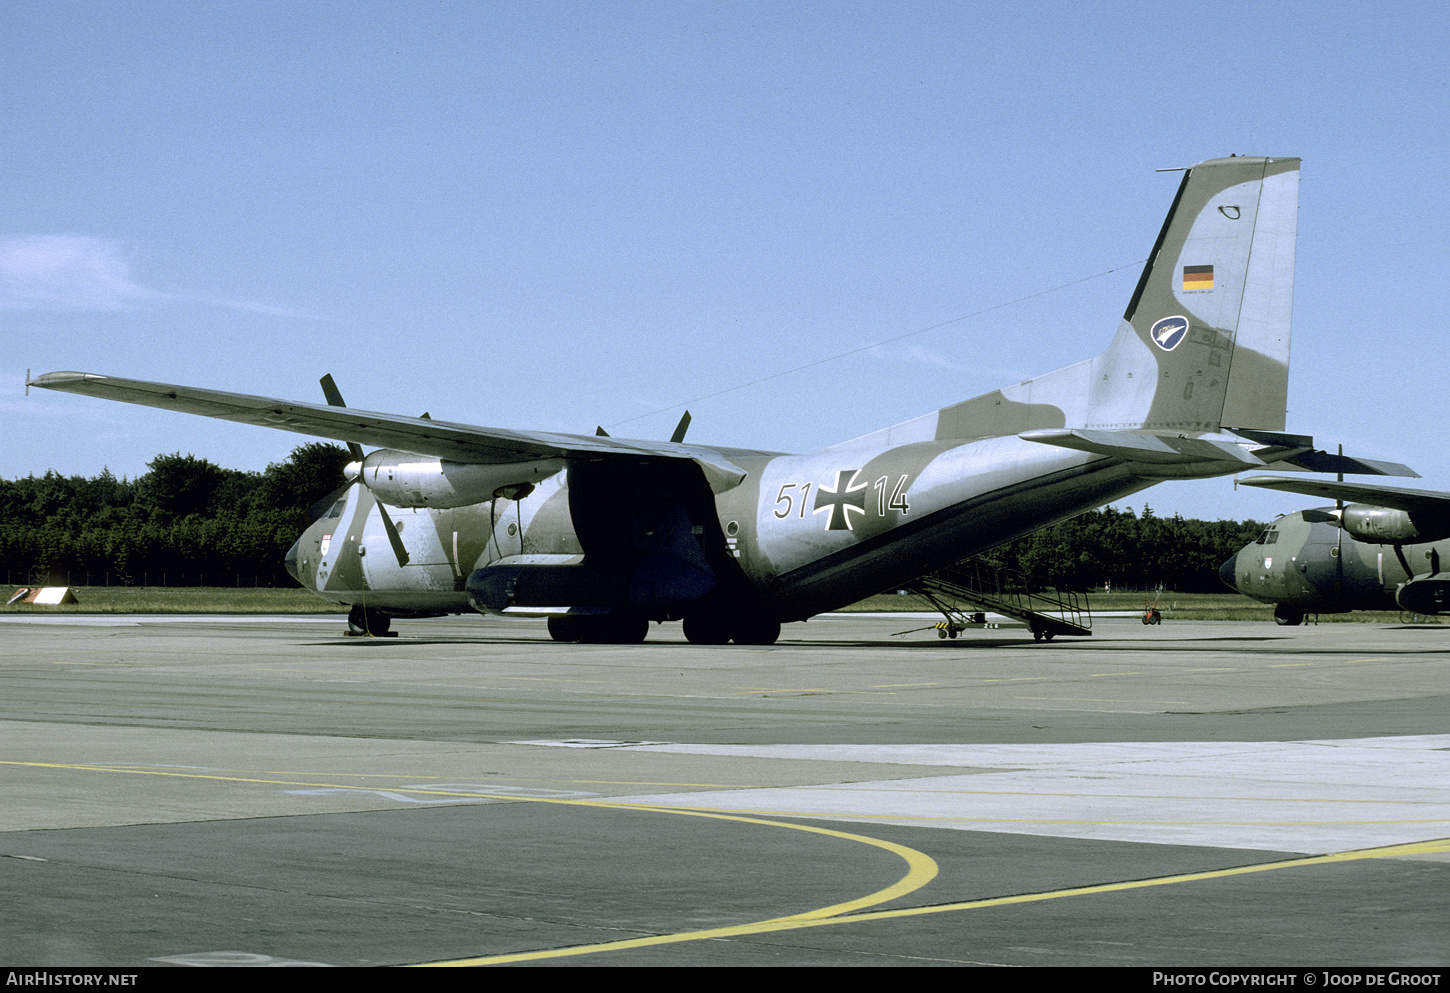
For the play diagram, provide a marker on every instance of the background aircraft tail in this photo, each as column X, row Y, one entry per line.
column 1204, row 343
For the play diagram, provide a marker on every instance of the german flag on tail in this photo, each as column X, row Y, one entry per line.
column 1198, row 277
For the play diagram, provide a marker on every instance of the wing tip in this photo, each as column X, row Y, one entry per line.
column 52, row 380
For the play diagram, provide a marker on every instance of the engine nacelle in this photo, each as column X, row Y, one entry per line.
column 657, row 584
column 1386, row 526
column 1424, row 595
column 402, row 479
column 522, row 581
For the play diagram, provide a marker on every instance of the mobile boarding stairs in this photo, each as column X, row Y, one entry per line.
column 963, row 593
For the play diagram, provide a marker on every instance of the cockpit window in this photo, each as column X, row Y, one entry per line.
column 336, row 510
column 1268, row 536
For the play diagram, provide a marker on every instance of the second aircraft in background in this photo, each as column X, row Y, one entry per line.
column 1384, row 551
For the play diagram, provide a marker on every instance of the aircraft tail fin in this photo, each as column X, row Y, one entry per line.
column 1210, row 315
column 1204, row 343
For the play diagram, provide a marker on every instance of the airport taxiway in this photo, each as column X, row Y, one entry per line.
column 221, row 791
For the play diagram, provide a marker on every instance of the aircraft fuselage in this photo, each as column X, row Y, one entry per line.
column 1304, row 563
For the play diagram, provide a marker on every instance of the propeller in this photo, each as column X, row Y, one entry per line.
column 1339, row 538
column 334, row 399
column 675, row 439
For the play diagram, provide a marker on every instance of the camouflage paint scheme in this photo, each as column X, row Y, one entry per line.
column 1380, row 555
column 1193, row 385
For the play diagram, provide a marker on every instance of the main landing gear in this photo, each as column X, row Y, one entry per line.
column 701, row 628
column 722, row 628
column 599, row 629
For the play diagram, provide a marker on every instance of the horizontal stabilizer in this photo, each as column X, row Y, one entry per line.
column 1141, row 446
column 1324, row 462
column 1397, row 498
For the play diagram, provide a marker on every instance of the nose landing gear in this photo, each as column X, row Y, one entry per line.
column 363, row 623
column 1288, row 616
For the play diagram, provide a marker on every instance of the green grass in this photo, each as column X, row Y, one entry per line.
column 248, row 600
column 183, row 600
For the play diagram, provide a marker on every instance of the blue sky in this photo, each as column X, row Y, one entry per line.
column 555, row 215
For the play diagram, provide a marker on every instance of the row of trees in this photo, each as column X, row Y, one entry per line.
column 189, row 522
column 1125, row 551
column 185, row 522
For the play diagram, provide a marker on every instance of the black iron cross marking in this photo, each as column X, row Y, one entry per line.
column 829, row 499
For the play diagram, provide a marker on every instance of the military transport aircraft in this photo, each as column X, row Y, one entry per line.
column 603, row 535
column 1383, row 553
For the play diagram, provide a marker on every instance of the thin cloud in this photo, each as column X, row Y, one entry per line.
column 78, row 272
column 253, row 307
column 914, row 355
column 67, row 272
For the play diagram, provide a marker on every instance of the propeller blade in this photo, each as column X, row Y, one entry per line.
column 1339, row 535
column 330, row 390
column 334, row 399
column 394, row 539
column 680, row 429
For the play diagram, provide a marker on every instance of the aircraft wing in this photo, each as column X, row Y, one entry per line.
column 441, row 439
column 1396, row 498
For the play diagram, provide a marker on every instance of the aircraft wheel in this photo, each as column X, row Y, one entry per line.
column 1036, row 634
column 1047, row 635
column 706, row 629
column 941, row 632
column 565, row 628
column 626, row 630
column 361, row 621
column 756, row 631
column 1288, row 616
column 610, row 629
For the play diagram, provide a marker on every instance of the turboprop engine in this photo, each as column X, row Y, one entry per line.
column 402, row 479
column 1387, row 526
